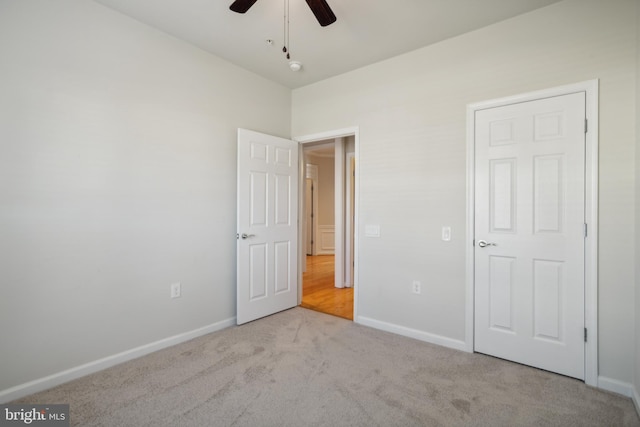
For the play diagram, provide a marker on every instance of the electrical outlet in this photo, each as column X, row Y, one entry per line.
column 416, row 287
column 176, row 290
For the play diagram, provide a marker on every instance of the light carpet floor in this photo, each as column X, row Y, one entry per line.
column 302, row 368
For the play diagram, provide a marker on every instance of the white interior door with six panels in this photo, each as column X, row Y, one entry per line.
column 267, row 240
column 529, row 233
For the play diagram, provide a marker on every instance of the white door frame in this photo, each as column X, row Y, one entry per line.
column 591, row 213
column 339, row 217
column 349, row 235
column 339, row 220
column 311, row 172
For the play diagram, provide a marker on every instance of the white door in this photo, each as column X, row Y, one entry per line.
column 530, row 231
column 308, row 209
column 350, row 220
column 267, row 248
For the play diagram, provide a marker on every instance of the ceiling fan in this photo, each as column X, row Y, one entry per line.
column 320, row 9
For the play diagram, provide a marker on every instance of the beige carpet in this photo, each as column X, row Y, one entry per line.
column 302, row 368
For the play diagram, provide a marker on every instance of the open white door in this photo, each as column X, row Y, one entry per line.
column 267, row 245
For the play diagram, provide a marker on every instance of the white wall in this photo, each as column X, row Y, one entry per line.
column 326, row 183
column 636, row 381
column 411, row 114
column 117, row 178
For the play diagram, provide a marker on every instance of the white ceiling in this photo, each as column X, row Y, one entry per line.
column 366, row 31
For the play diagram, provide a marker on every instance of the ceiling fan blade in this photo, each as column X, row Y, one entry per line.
column 322, row 11
column 241, row 6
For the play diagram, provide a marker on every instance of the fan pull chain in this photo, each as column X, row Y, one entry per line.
column 284, row 25
column 286, row 29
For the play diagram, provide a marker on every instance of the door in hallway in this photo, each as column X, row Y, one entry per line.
column 319, row 291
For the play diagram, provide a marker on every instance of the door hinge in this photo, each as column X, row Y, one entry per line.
column 585, row 334
column 586, row 230
column 586, row 125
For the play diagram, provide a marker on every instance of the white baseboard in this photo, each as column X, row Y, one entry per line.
column 622, row 388
column 107, row 362
column 604, row 383
column 616, row 386
column 412, row 333
column 320, row 252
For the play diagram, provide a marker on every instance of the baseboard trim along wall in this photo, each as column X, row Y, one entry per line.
column 107, row 362
column 616, row 386
column 622, row 388
column 604, row 383
column 412, row 333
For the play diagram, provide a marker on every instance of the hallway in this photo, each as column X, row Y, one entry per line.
column 319, row 292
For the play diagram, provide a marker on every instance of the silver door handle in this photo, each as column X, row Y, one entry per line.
column 246, row 236
column 484, row 244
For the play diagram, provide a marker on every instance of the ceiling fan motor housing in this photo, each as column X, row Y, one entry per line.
column 320, row 9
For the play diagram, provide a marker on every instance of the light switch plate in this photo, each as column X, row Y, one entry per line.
column 176, row 290
column 446, row 233
column 372, row 230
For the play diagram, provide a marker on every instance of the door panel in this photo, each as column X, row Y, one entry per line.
column 501, row 292
column 529, row 195
column 282, row 264
column 548, row 288
column 502, row 195
column 258, row 271
column 267, row 225
column 548, row 197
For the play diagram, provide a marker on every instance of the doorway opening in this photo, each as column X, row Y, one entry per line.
column 319, row 292
column 328, row 239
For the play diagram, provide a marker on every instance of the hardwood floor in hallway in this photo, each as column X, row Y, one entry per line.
column 319, row 292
